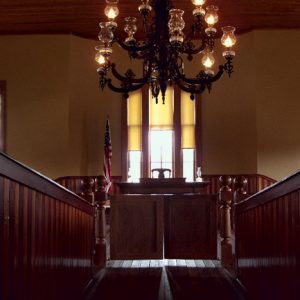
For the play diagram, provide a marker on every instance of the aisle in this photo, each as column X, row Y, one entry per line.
column 165, row 280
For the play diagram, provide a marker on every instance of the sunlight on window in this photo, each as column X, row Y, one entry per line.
column 188, row 164
column 134, row 172
column 161, row 150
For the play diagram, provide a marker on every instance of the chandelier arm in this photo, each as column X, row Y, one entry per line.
column 134, row 48
column 200, row 88
column 195, row 51
column 209, row 79
column 127, row 79
column 123, row 90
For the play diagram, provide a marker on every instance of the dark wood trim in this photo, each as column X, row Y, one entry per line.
column 22, row 174
column 255, row 183
column 124, row 139
column 177, row 133
column 198, row 133
column 277, row 190
column 3, row 116
column 115, row 178
column 145, row 131
column 267, row 241
column 44, row 239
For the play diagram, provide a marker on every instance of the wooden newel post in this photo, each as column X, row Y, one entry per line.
column 87, row 188
column 225, row 201
column 240, row 188
column 100, row 228
column 88, row 193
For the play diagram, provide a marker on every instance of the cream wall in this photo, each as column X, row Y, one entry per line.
column 277, row 94
column 36, row 71
column 229, row 119
column 56, row 113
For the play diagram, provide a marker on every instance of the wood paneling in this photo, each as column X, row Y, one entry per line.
column 2, row 115
column 161, row 186
column 190, row 223
column 136, row 227
column 191, row 226
column 46, row 236
column 267, row 241
column 256, row 183
column 75, row 183
column 82, row 17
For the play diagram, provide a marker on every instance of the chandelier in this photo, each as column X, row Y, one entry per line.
column 163, row 48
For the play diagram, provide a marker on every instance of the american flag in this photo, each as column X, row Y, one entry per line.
column 107, row 184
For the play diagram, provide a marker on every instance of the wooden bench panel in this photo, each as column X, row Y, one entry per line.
column 191, row 227
column 136, row 227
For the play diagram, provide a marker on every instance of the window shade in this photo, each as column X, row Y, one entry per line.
column 135, row 121
column 161, row 115
column 187, row 122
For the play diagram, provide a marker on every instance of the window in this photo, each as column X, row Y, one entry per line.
column 161, row 150
column 161, row 132
column 134, row 171
column 187, row 112
column 134, row 109
column 188, row 164
column 161, row 135
column 2, row 115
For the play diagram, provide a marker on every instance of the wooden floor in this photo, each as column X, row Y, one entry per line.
column 164, row 279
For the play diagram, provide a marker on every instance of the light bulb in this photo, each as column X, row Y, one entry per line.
column 100, row 59
column 111, row 13
column 228, row 38
column 208, row 60
column 210, row 20
column 211, row 16
column 111, row 10
column 198, row 2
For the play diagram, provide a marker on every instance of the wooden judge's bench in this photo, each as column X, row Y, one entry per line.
column 163, row 218
column 161, row 186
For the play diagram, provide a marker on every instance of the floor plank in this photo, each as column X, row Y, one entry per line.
column 165, row 280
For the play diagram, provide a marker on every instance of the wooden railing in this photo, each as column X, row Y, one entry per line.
column 46, row 237
column 268, row 241
column 74, row 183
column 255, row 182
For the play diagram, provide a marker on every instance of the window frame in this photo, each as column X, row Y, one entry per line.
column 178, row 160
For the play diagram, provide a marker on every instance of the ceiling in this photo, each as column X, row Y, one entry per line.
column 81, row 17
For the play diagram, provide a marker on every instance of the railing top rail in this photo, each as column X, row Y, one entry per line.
column 279, row 189
column 19, row 172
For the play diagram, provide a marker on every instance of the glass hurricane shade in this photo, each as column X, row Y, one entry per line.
column 211, row 16
column 208, row 59
column 130, row 27
column 106, row 35
column 198, row 2
column 228, row 38
column 99, row 58
column 111, row 10
column 176, row 22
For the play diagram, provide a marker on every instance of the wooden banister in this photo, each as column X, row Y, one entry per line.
column 46, row 249
column 256, row 182
column 240, row 188
column 225, row 201
column 267, row 241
